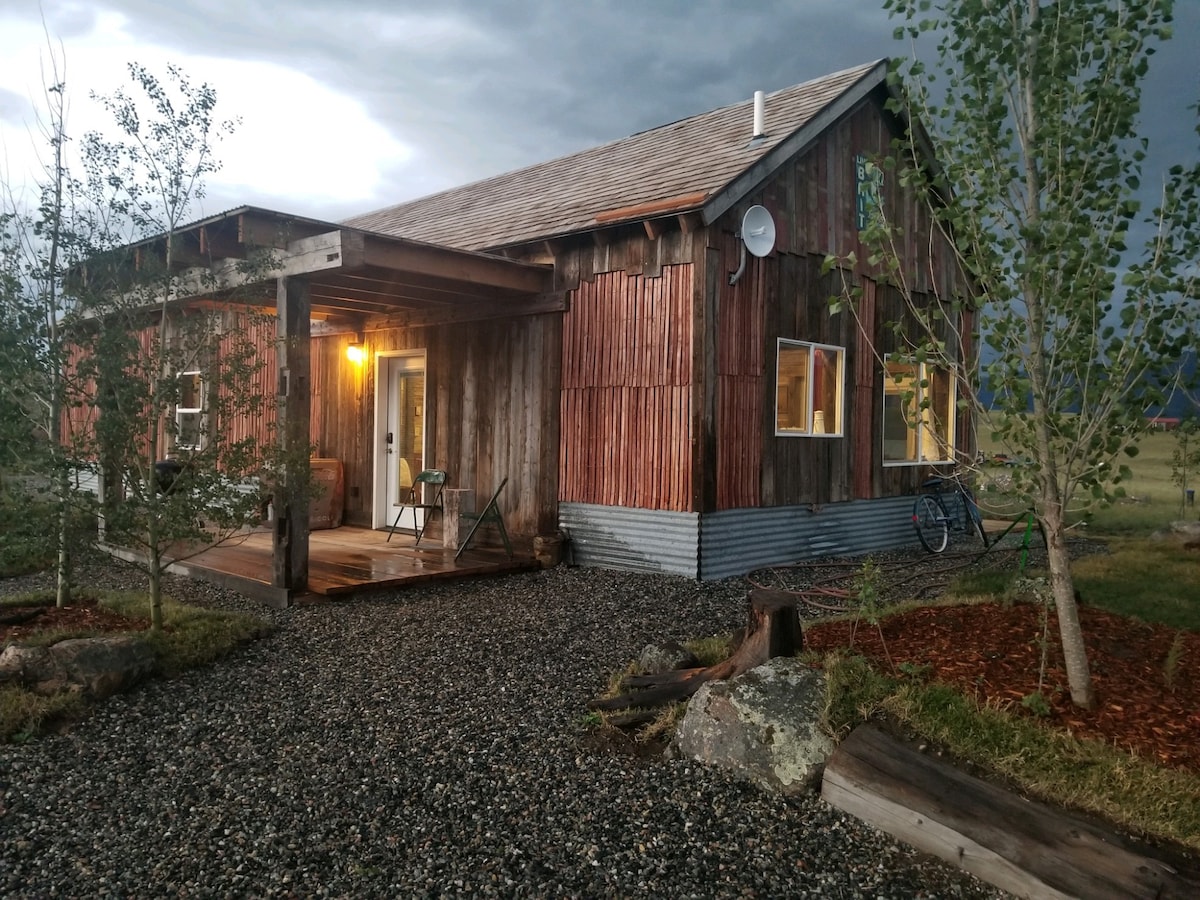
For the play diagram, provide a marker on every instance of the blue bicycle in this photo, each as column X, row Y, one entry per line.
column 946, row 505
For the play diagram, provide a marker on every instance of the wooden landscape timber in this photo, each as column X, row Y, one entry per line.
column 1014, row 843
column 773, row 629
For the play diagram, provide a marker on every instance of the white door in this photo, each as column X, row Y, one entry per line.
column 401, row 441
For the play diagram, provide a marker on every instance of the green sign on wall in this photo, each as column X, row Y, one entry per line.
column 868, row 187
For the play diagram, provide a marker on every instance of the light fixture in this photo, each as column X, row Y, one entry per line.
column 356, row 351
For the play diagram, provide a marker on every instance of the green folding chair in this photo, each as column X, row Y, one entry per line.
column 415, row 501
column 490, row 515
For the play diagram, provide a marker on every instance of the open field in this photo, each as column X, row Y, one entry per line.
column 1152, row 500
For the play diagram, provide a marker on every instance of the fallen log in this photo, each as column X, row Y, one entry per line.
column 637, row 681
column 772, row 629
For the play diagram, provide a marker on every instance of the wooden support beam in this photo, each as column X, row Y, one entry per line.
column 689, row 222
column 289, row 542
column 639, row 210
column 474, row 312
column 478, row 269
column 656, row 227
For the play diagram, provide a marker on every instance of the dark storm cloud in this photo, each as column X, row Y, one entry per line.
column 481, row 88
column 478, row 88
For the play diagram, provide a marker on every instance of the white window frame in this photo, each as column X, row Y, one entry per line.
column 921, row 378
column 839, row 419
column 197, row 411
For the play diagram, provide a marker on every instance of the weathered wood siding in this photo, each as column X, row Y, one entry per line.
column 785, row 295
column 491, row 395
column 626, row 405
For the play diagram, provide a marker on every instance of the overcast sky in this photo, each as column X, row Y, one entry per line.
column 351, row 105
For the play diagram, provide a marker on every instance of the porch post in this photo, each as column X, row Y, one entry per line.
column 289, row 543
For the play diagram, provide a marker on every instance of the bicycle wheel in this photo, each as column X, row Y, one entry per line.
column 931, row 523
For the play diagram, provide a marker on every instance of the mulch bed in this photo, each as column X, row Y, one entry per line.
column 1145, row 703
column 84, row 614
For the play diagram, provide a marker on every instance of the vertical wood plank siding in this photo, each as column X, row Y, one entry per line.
column 626, row 391
column 237, row 326
column 741, row 360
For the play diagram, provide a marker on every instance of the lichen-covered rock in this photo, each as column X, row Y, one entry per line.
column 763, row 726
column 95, row 667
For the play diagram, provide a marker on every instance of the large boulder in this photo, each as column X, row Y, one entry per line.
column 95, row 667
column 763, row 726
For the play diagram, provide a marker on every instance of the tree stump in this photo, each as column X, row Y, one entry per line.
column 772, row 629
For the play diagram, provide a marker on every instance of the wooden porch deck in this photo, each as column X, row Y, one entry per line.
column 343, row 561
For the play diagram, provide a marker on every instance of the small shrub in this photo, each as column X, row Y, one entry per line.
column 1171, row 664
column 914, row 671
column 1036, row 703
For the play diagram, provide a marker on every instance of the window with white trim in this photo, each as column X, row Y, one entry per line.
column 189, row 412
column 809, row 387
column 918, row 413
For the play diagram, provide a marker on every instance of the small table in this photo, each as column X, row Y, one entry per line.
column 455, row 501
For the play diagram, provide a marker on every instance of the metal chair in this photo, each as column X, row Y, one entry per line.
column 415, row 499
column 490, row 514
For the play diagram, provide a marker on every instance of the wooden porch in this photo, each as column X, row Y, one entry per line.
column 343, row 561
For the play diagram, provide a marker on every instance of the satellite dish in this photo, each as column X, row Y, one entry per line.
column 758, row 231
column 758, row 236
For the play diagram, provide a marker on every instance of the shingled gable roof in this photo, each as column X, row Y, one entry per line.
column 704, row 163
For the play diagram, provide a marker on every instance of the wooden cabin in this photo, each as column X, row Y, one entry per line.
column 572, row 327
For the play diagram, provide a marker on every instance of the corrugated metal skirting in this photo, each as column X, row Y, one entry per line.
column 732, row 542
column 737, row 541
column 634, row 540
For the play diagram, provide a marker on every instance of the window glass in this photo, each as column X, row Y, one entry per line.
column 809, row 389
column 189, row 412
column 918, row 413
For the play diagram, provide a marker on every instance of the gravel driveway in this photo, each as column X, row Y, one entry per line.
column 422, row 743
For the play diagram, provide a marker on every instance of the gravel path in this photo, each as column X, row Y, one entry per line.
column 417, row 744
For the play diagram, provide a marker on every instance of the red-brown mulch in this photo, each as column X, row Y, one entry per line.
column 84, row 614
column 993, row 652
